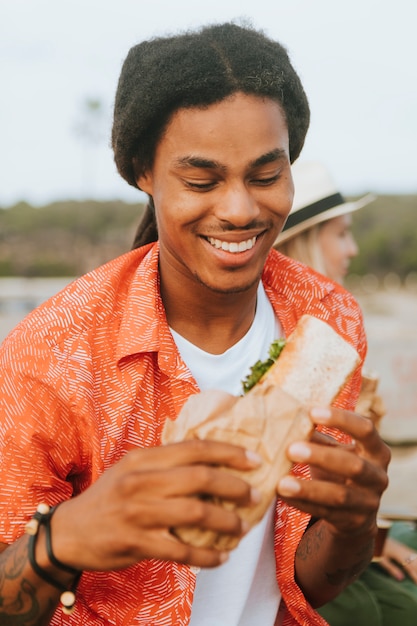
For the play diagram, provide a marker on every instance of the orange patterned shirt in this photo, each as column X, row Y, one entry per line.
column 93, row 373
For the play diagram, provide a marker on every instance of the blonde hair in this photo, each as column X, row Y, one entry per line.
column 305, row 247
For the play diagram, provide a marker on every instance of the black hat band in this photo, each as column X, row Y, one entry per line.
column 312, row 210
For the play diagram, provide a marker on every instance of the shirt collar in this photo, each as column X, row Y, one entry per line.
column 144, row 327
column 293, row 289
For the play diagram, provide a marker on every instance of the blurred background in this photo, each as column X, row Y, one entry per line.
column 64, row 209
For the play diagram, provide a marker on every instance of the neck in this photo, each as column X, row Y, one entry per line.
column 210, row 320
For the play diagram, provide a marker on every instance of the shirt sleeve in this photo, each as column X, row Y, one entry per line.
column 41, row 458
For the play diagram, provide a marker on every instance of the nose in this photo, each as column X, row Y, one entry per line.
column 237, row 205
column 353, row 249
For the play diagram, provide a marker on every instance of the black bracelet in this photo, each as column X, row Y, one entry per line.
column 51, row 555
column 42, row 517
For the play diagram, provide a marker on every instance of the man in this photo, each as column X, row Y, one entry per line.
column 207, row 124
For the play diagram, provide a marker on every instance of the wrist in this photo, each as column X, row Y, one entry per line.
column 365, row 534
column 39, row 527
column 44, row 562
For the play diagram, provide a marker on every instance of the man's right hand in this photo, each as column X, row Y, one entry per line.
column 127, row 514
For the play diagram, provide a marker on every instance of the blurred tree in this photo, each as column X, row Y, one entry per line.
column 72, row 237
column 64, row 238
column 89, row 125
column 89, row 128
column 387, row 236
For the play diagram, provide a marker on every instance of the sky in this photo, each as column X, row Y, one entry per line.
column 357, row 61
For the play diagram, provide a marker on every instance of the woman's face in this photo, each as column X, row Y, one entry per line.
column 338, row 246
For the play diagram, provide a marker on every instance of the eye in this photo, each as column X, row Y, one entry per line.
column 201, row 186
column 265, row 182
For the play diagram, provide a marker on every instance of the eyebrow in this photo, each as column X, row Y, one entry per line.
column 200, row 162
column 269, row 157
column 208, row 164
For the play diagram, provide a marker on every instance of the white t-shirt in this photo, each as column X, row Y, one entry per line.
column 243, row 591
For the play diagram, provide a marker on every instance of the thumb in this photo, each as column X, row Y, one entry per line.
column 391, row 568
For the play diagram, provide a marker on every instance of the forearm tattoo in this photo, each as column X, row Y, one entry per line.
column 312, row 544
column 19, row 604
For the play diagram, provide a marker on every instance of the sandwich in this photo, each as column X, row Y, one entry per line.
column 370, row 404
column 309, row 368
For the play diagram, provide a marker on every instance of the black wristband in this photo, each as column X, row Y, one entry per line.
column 38, row 569
column 43, row 517
column 51, row 555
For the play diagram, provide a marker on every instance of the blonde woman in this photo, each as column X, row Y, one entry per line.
column 318, row 233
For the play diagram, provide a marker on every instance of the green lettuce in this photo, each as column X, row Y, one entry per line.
column 261, row 367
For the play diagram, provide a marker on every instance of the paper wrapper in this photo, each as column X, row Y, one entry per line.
column 264, row 421
column 313, row 367
column 370, row 404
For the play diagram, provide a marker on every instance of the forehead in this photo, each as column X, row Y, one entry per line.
column 239, row 124
column 341, row 221
column 336, row 224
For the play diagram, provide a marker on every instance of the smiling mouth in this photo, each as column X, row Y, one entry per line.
column 232, row 246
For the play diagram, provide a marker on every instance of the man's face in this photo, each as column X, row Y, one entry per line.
column 222, row 188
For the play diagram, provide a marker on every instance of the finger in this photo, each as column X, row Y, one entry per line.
column 324, row 438
column 327, row 440
column 140, row 532
column 201, row 480
column 391, row 568
column 164, row 546
column 340, row 461
column 194, row 451
column 344, row 506
column 409, row 565
column 360, row 428
column 328, row 495
column 189, row 512
column 197, row 480
column 412, row 572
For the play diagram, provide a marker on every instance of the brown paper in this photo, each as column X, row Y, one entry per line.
column 264, row 421
column 313, row 367
column 370, row 404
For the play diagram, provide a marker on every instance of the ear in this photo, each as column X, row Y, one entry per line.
column 145, row 182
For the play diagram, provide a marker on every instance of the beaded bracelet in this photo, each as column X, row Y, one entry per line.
column 42, row 517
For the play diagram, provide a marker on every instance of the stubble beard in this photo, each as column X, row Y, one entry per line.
column 229, row 290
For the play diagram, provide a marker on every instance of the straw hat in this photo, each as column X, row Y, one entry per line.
column 316, row 199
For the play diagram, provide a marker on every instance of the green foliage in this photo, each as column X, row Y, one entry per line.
column 47, row 267
column 6, row 268
column 70, row 238
column 64, row 238
column 386, row 233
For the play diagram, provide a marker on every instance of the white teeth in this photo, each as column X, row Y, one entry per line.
column 233, row 246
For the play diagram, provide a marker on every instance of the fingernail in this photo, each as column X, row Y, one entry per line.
column 253, row 457
column 245, row 527
column 255, row 495
column 320, row 414
column 223, row 557
column 288, row 486
column 299, row 451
